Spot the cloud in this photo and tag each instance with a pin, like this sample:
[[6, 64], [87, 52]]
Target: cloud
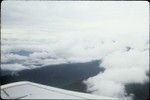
[[107, 88], [129, 59], [77, 17], [36, 34], [8, 58], [121, 68], [13, 67]]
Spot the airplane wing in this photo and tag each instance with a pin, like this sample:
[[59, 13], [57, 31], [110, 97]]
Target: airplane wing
[[30, 90]]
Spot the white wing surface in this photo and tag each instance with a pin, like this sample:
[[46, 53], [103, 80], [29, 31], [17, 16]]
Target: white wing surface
[[29, 90]]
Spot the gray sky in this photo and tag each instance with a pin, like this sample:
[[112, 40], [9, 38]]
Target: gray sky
[[66, 17]]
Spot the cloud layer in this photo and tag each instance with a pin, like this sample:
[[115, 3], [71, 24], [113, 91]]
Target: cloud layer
[[120, 68], [36, 34]]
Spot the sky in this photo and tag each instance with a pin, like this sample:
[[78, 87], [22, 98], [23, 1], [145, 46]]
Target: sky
[[69, 17], [39, 33]]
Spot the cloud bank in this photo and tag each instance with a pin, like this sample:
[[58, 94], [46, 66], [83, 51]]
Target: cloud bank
[[120, 68], [36, 34]]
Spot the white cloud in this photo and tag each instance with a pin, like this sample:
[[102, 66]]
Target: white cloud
[[12, 57], [126, 75], [70, 31], [121, 67], [121, 59], [13, 67]]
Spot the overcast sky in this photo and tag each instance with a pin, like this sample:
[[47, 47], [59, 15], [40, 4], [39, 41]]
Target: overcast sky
[[66, 17]]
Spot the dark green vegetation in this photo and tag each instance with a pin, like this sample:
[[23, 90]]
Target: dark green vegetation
[[140, 91], [67, 76]]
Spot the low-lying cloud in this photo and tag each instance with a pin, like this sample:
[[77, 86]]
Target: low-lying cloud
[[121, 67], [44, 33]]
